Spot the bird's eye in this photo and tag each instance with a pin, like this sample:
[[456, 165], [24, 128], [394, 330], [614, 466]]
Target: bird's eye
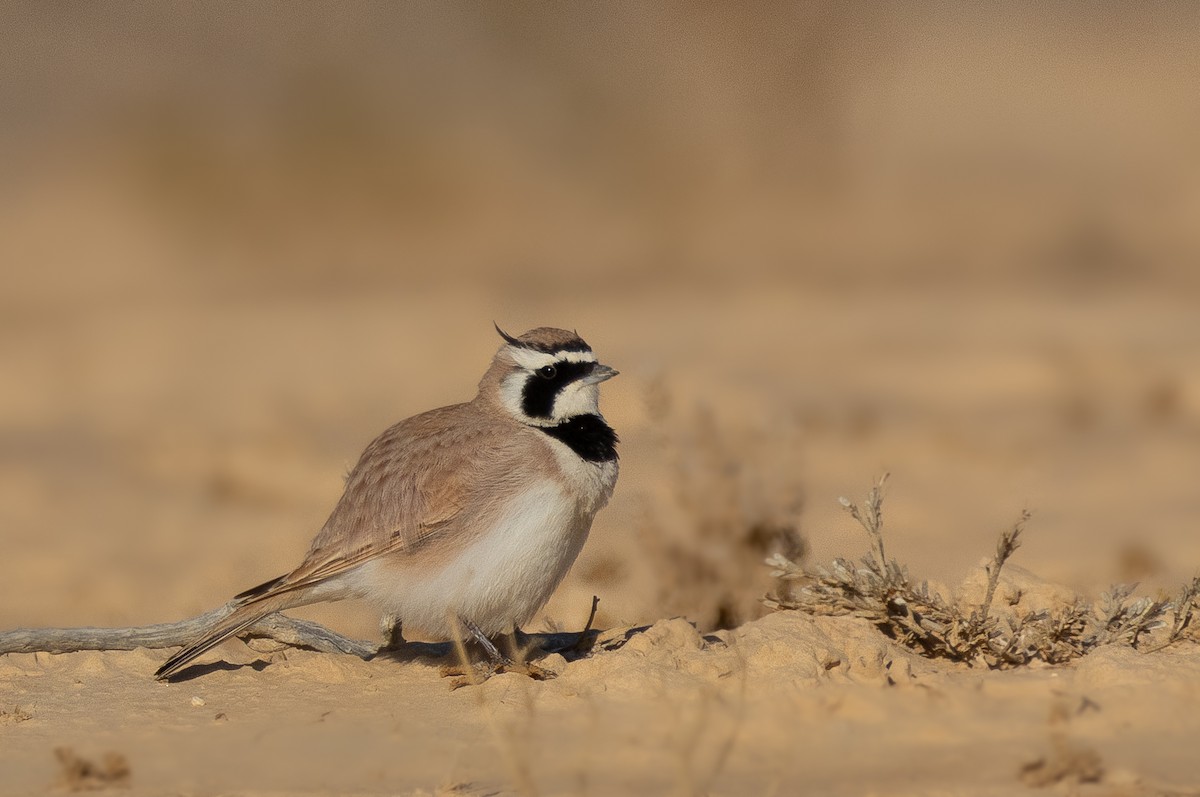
[[547, 372]]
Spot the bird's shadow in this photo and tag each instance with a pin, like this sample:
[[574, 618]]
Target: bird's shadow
[[572, 646], [195, 671], [524, 647]]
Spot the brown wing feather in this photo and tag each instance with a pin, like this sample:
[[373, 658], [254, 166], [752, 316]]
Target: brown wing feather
[[409, 487]]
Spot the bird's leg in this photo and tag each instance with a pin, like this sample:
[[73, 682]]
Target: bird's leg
[[495, 657], [521, 644], [497, 662]]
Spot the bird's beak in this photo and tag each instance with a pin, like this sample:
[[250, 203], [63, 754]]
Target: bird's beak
[[599, 374]]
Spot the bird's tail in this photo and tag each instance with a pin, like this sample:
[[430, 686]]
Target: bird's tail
[[242, 617]]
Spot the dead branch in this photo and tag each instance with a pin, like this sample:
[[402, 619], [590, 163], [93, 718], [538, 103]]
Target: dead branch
[[286, 630]]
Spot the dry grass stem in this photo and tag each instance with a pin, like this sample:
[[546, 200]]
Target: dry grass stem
[[512, 745], [1006, 546]]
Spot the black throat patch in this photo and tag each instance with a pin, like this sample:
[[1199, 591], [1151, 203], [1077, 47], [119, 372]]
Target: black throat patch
[[588, 436]]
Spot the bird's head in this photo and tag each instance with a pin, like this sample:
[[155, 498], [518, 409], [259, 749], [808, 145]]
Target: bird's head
[[546, 376]]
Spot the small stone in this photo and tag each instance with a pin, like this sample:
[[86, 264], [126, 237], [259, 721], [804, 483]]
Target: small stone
[[554, 663], [197, 701]]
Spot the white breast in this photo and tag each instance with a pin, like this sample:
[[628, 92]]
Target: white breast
[[503, 578]]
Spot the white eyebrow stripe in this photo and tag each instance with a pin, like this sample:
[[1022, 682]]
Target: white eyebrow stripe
[[534, 359], [575, 357]]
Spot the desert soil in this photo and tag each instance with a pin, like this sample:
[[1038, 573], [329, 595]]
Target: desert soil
[[132, 498], [821, 242]]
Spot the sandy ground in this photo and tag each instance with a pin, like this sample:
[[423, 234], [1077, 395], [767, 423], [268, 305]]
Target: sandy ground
[[131, 498], [821, 242], [785, 704]]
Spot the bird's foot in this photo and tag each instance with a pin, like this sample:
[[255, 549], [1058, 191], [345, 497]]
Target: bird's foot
[[476, 673], [468, 673]]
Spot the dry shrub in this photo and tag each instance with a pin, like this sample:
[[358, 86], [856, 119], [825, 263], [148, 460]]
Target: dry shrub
[[725, 512], [880, 590]]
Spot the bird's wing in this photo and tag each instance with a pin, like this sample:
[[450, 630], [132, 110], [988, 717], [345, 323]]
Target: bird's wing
[[407, 491]]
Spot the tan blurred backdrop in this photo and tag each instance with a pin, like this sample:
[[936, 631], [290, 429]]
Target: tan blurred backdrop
[[820, 241]]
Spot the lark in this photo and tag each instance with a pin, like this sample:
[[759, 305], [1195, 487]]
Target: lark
[[462, 521]]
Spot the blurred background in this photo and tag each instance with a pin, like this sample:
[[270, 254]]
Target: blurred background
[[954, 242]]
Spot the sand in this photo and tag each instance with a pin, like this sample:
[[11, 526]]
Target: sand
[[786, 704], [134, 515], [954, 243]]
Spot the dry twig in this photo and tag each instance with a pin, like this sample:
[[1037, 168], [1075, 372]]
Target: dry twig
[[286, 630]]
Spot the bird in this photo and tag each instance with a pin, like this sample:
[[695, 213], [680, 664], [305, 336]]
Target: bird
[[462, 521]]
